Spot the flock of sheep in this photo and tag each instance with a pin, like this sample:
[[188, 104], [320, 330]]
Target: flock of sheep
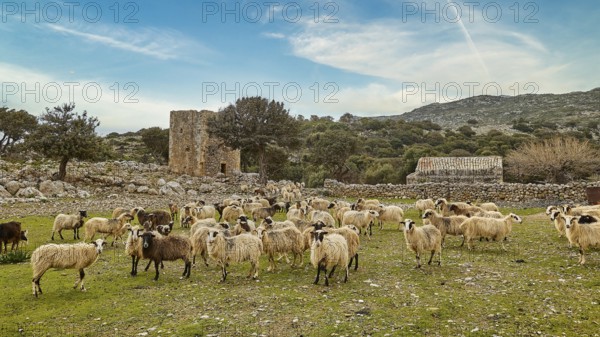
[[242, 230]]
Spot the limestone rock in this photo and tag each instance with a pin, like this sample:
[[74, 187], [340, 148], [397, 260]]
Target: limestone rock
[[29, 192], [52, 188], [131, 188], [13, 187]]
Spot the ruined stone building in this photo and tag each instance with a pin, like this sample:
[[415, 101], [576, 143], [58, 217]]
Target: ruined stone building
[[192, 151], [457, 170]]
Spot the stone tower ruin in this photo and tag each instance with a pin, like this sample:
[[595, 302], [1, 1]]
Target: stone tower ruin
[[192, 151]]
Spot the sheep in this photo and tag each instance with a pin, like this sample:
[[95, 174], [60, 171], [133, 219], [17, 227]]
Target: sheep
[[68, 221], [269, 223], [193, 221], [240, 248], [559, 223], [165, 229], [133, 248], [296, 213], [231, 201], [339, 214], [323, 216], [446, 225], [443, 206], [118, 211], [495, 229], [115, 227], [198, 240], [423, 239], [319, 204], [281, 241], [360, 219], [167, 248], [249, 206], [467, 211], [370, 204], [263, 212], [581, 210], [243, 225], [156, 218], [64, 256], [337, 204], [551, 208], [490, 207], [189, 209], [424, 204], [327, 252], [232, 213], [392, 214], [350, 233], [11, 232], [174, 209], [205, 212], [584, 236], [489, 214]]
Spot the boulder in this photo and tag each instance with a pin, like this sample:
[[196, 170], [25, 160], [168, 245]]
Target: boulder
[[152, 191], [206, 188], [52, 188], [29, 192], [161, 182], [4, 193], [172, 188], [192, 193], [131, 188], [142, 189], [83, 194], [13, 187]]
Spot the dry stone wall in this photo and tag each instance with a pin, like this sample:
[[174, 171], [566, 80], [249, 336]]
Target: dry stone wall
[[527, 194]]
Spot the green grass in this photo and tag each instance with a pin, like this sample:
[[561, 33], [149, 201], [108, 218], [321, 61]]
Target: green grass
[[477, 293]]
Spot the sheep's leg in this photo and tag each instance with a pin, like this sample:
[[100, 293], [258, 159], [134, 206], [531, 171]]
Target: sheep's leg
[[581, 256], [148, 265], [271, 263], [204, 258], [463, 241], [418, 261], [156, 268], [36, 284], [332, 270], [187, 269], [80, 280], [223, 272], [346, 276], [318, 273], [52, 238], [431, 257], [60, 233], [326, 277], [133, 266]]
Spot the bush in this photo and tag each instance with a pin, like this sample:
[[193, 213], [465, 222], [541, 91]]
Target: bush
[[16, 256]]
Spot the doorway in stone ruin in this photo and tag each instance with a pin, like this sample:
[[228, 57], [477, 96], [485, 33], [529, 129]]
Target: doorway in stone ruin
[[223, 168]]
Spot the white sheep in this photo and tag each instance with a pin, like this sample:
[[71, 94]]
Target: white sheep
[[327, 252], [593, 210], [319, 204], [423, 239], [369, 204], [232, 212], [490, 207], [559, 222], [205, 212], [239, 248], [584, 236], [361, 219], [446, 225], [350, 233], [68, 221], [424, 204], [323, 216], [269, 223], [282, 241], [393, 214], [64, 256], [115, 227], [495, 229], [443, 206], [133, 248]]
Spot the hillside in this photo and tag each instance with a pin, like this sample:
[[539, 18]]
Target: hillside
[[572, 109]]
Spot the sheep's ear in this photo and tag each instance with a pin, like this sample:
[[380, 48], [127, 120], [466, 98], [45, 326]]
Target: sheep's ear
[[103, 243]]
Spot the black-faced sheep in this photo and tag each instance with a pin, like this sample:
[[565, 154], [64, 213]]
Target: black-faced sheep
[[68, 221], [423, 239], [239, 248], [327, 252], [65, 256], [167, 248]]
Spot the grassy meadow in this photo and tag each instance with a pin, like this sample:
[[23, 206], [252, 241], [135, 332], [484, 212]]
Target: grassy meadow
[[534, 288]]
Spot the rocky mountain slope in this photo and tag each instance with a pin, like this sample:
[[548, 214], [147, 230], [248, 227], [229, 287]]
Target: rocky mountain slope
[[571, 109]]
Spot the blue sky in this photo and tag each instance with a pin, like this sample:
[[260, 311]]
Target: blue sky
[[130, 63]]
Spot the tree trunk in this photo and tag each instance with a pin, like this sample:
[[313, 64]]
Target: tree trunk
[[62, 168], [262, 168]]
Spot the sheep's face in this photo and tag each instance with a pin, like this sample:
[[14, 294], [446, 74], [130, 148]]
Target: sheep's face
[[353, 228], [566, 209], [569, 220], [212, 236], [318, 237], [516, 218], [439, 202], [550, 209], [331, 205], [99, 243], [374, 213], [408, 225], [24, 235], [554, 215], [427, 214], [83, 214], [147, 240], [260, 231]]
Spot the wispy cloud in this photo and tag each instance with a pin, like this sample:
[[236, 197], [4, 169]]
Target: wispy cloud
[[160, 44], [274, 35]]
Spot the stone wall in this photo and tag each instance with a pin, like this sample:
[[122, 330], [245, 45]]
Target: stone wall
[[486, 169], [530, 194], [193, 152]]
